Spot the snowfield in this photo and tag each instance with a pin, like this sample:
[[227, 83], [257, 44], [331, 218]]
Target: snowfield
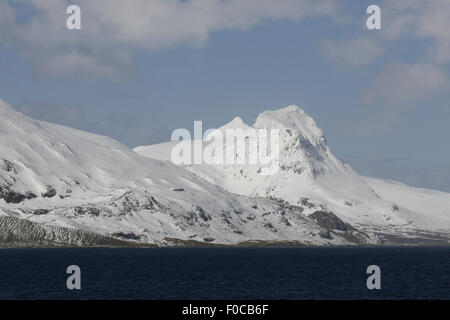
[[64, 187]]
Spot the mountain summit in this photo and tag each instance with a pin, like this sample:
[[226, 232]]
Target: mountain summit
[[291, 117]]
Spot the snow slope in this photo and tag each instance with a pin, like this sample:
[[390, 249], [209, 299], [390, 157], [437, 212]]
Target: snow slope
[[310, 172], [58, 177], [431, 207]]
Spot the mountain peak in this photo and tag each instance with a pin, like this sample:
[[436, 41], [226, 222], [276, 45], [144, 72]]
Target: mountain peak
[[237, 120], [291, 117], [291, 108], [236, 123]]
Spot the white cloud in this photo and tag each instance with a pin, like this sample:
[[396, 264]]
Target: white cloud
[[405, 85], [354, 52], [434, 23], [112, 30], [409, 19], [424, 19]]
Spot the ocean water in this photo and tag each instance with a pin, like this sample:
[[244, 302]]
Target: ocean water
[[226, 273]]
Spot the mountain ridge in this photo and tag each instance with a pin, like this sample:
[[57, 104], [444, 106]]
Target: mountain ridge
[[64, 179]]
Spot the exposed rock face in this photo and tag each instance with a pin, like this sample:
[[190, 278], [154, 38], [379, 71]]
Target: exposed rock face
[[15, 232], [333, 225], [202, 214], [7, 165], [330, 221], [40, 212], [127, 236], [50, 192], [11, 196]]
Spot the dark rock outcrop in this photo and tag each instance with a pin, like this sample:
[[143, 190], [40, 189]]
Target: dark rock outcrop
[[40, 212], [335, 226], [17, 233], [11, 196], [127, 236], [50, 192], [330, 221], [202, 214]]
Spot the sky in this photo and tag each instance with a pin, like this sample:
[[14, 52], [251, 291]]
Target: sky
[[138, 69]]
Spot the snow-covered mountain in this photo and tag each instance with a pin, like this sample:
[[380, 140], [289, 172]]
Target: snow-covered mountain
[[60, 186], [310, 174]]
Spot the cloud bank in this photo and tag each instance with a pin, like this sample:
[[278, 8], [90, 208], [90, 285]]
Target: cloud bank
[[113, 30]]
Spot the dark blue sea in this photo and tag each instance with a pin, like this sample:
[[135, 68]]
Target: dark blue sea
[[226, 273]]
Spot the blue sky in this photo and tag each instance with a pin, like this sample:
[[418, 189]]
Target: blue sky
[[135, 73]]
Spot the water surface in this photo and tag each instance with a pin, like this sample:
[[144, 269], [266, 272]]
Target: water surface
[[226, 273]]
